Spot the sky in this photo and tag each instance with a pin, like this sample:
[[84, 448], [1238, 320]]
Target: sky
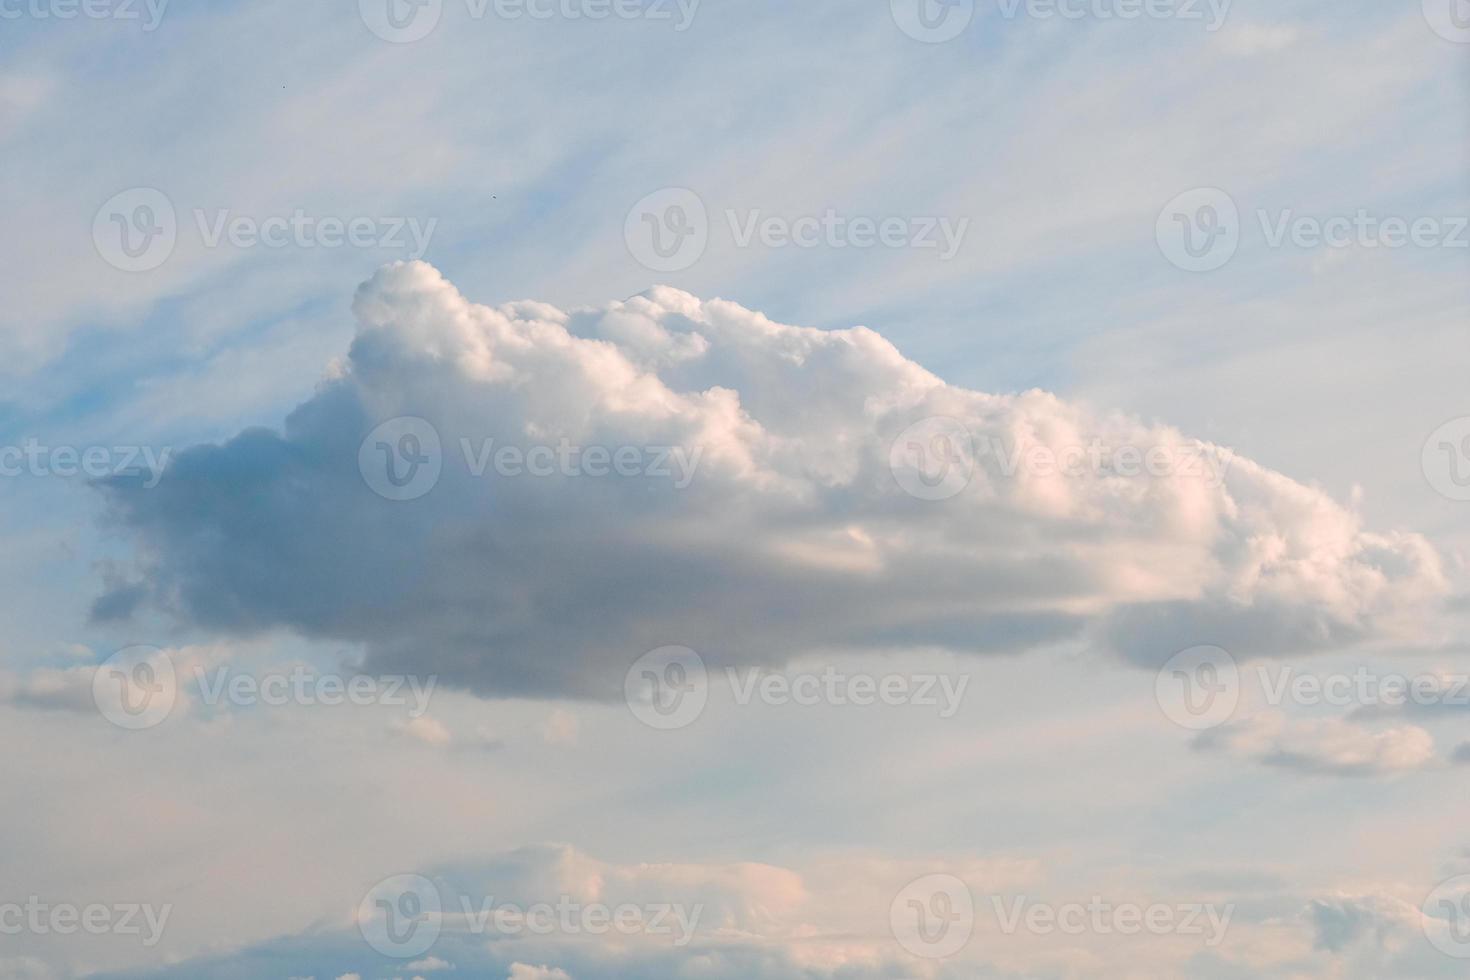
[[682, 490]]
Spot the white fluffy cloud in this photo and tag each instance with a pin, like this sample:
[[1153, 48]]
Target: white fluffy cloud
[[793, 533], [1333, 746], [521, 971]]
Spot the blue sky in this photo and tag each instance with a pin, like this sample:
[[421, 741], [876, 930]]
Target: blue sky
[[1031, 167]]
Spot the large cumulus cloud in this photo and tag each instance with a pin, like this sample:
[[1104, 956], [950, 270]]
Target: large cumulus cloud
[[793, 536]]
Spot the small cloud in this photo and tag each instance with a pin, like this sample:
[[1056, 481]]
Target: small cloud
[[430, 964], [50, 689], [522, 971], [428, 730], [1342, 921], [1331, 747], [1255, 39], [560, 728]]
